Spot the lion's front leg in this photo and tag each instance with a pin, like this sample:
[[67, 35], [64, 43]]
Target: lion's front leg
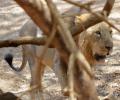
[[60, 71]]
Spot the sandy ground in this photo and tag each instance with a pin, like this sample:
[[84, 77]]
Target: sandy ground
[[107, 77]]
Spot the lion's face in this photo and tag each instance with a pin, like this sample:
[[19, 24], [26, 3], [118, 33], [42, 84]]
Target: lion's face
[[101, 42]]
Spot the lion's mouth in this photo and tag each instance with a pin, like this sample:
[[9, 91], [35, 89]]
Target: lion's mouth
[[99, 57]]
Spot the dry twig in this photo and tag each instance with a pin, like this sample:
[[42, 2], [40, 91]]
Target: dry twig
[[99, 15], [45, 26], [71, 76], [23, 41]]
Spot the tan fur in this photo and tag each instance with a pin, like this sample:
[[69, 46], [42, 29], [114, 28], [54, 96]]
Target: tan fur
[[90, 42]]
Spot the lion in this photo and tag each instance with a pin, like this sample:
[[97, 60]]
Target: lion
[[95, 43]]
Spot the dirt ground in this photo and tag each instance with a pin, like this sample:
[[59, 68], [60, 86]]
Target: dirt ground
[[107, 76]]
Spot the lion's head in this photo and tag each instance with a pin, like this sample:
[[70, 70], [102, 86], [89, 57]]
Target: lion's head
[[96, 43]]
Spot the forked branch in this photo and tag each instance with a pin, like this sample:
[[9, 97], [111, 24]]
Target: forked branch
[[86, 19]]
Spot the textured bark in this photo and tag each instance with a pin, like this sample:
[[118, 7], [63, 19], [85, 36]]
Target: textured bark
[[23, 41]]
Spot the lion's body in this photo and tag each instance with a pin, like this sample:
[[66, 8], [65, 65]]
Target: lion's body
[[91, 44], [30, 29]]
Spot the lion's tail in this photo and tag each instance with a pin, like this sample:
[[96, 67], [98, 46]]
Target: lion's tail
[[9, 59]]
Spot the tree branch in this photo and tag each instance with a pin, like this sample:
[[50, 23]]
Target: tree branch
[[40, 20], [90, 18], [36, 15], [23, 41], [86, 19]]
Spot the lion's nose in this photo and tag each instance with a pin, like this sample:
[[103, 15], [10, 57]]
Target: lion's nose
[[108, 47]]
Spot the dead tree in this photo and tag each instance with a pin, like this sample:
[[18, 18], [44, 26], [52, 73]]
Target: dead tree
[[63, 41]]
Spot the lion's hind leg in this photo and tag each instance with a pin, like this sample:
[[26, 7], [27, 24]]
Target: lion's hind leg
[[37, 71]]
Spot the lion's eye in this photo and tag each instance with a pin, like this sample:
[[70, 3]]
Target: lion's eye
[[98, 33]]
